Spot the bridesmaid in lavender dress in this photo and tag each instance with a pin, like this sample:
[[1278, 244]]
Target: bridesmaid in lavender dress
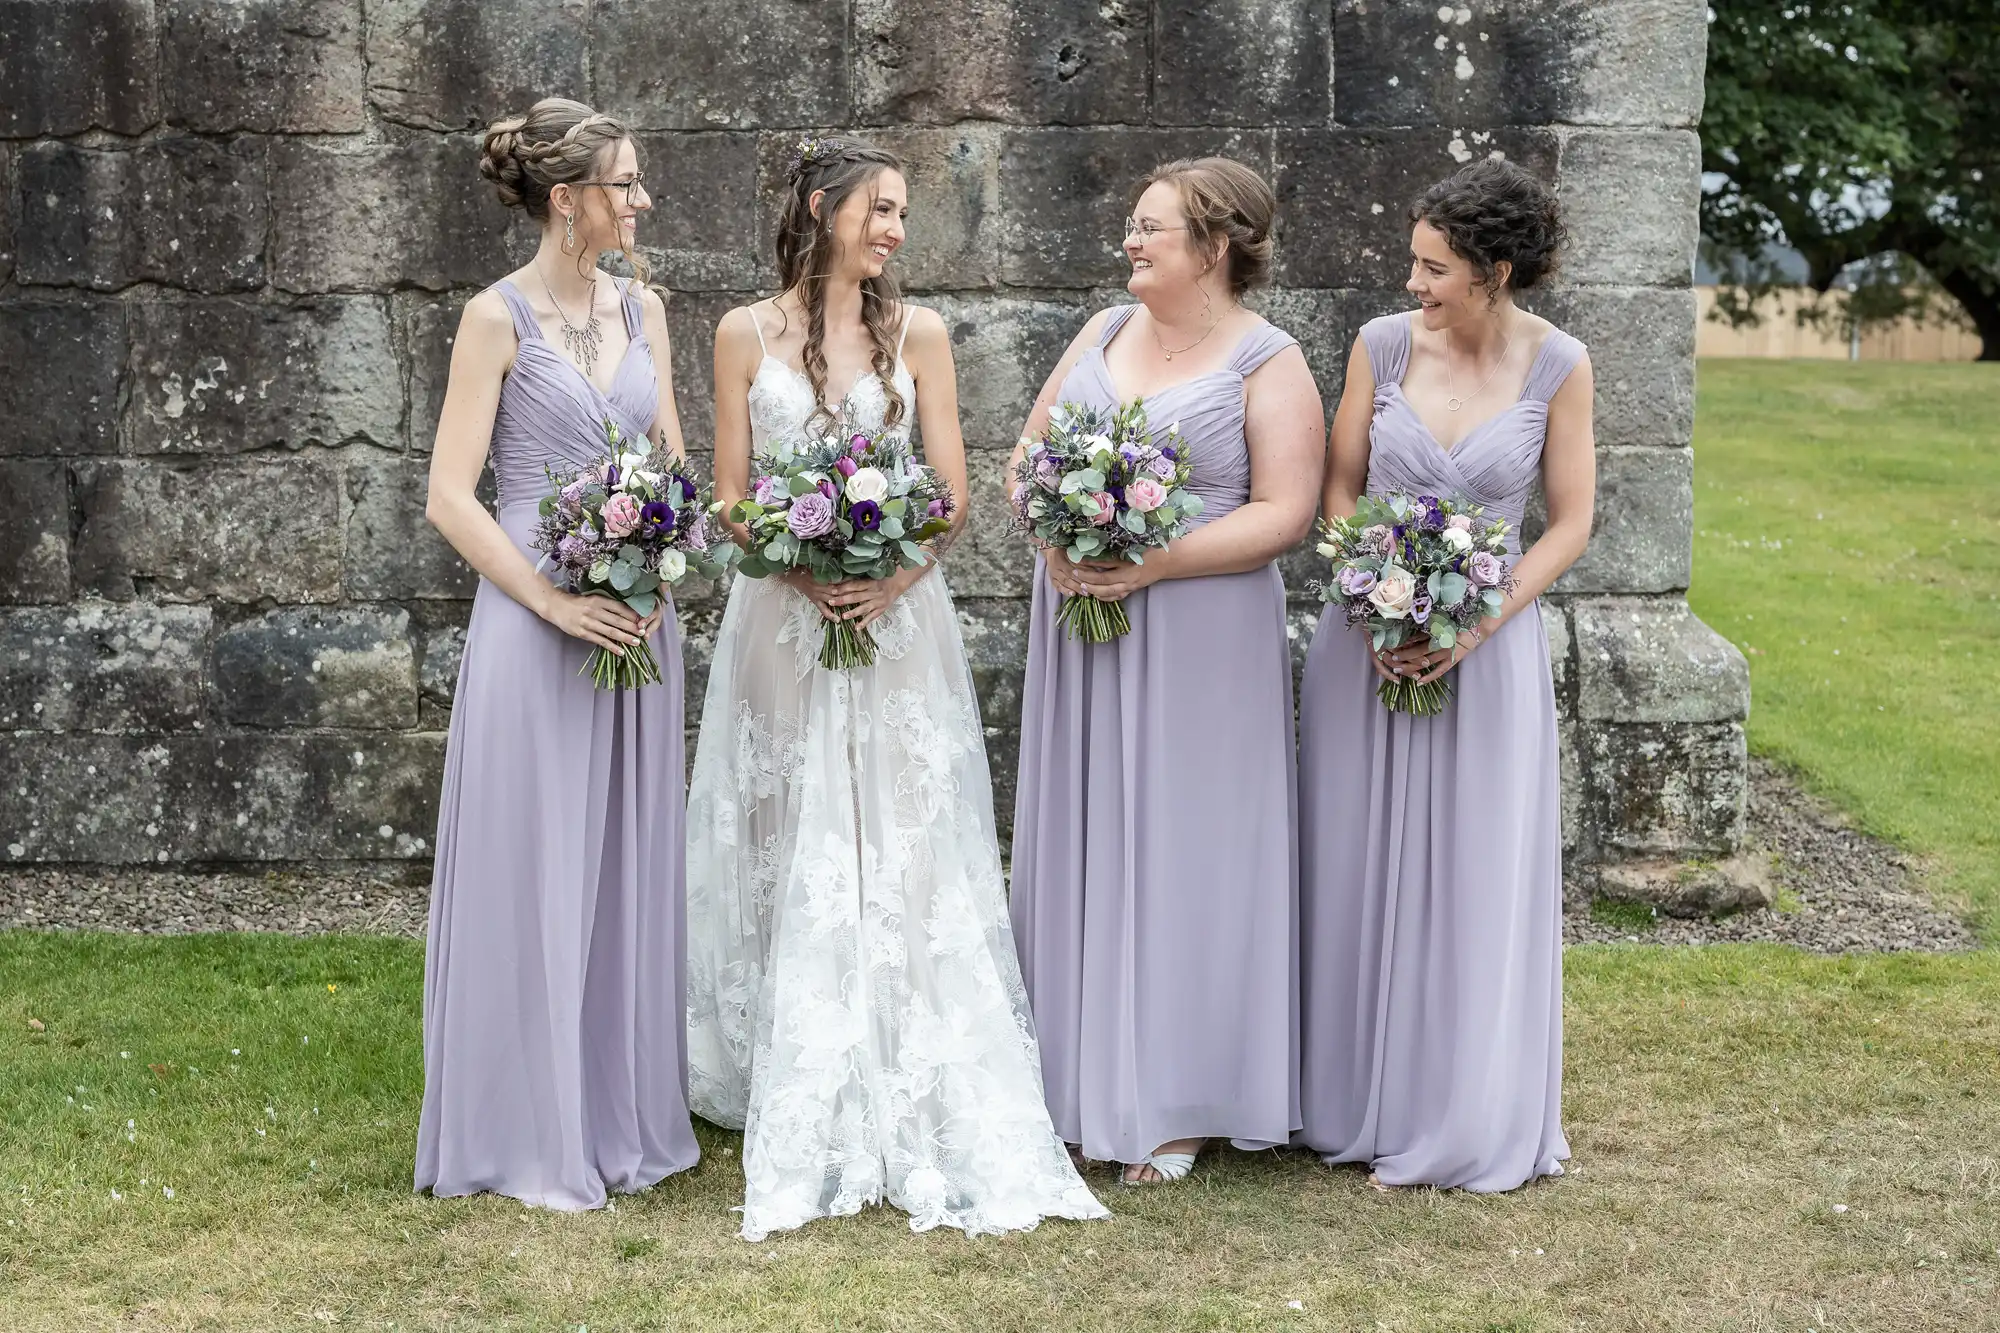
[[554, 1063], [1431, 848], [1155, 874]]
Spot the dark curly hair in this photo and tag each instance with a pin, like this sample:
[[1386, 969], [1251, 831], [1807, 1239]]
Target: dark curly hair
[[1492, 211]]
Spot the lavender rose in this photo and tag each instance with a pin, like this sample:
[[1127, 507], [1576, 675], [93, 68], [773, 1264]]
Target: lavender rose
[[811, 515], [572, 551], [1163, 468], [1484, 569]]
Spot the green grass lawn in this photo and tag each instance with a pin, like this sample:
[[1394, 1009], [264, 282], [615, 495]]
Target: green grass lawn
[[1847, 538], [1767, 1141]]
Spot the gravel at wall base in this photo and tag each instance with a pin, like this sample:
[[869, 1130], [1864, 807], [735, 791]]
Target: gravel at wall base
[[1842, 891]]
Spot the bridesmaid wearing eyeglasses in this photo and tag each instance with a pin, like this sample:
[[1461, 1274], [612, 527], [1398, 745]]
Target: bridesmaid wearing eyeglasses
[[1155, 877]]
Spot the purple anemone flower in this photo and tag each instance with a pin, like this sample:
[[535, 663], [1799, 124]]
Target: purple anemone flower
[[656, 517], [611, 474], [866, 516]]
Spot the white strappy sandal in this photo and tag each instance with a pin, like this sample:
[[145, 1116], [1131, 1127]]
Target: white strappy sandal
[[1172, 1166]]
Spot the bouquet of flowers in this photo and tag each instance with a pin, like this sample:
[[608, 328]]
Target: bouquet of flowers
[[850, 504], [622, 528], [1097, 487], [1408, 568]]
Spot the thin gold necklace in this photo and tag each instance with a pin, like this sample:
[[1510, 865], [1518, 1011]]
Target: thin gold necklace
[[1171, 352], [1452, 401]]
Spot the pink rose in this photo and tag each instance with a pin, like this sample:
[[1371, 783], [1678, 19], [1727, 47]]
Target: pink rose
[[1459, 521], [1107, 508], [1145, 495], [621, 515]]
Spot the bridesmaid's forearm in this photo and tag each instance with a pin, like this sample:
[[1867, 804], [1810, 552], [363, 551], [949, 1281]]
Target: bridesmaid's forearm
[[1244, 539], [478, 537], [1542, 564]]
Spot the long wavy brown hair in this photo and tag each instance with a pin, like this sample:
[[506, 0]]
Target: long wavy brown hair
[[808, 253]]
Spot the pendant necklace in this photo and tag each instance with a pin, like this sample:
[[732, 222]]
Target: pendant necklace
[[580, 343], [1452, 401], [1172, 352]]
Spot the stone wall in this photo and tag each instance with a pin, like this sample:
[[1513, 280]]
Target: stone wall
[[235, 236]]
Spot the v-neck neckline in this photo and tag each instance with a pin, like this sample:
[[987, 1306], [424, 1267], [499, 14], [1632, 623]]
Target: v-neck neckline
[[632, 340], [1118, 394], [1520, 399], [840, 403], [603, 394]]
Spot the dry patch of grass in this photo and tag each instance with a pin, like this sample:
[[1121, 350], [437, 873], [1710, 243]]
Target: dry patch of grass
[[1765, 1140]]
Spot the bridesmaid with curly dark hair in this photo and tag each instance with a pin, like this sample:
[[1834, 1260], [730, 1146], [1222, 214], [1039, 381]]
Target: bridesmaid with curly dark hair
[[1431, 847]]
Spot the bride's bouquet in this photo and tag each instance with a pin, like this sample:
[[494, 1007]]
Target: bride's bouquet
[[1097, 487], [849, 504], [623, 528], [1407, 568]]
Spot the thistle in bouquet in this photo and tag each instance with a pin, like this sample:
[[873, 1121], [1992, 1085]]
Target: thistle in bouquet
[[846, 504], [1097, 486], [625, 527], [1415, 567]]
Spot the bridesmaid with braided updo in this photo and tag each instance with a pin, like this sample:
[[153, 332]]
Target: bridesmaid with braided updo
[[554, 1060]]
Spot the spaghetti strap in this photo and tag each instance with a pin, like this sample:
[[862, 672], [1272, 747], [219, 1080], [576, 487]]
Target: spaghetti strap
[[1553, 363], [1119, 314], [1258, 346], [909, 317], [758, 325], [1387, 339], [525, 324]]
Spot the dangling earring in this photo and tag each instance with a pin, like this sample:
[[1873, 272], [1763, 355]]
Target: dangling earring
[[569, 232]]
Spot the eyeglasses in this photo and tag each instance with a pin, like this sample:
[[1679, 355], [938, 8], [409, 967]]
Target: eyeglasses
[[1145, 231], [637, 183]]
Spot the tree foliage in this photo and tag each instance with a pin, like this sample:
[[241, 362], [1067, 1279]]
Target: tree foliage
[[1864, 133]]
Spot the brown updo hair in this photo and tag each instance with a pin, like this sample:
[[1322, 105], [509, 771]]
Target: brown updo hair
[[1220, 197], [559, 142], [1492, 211]]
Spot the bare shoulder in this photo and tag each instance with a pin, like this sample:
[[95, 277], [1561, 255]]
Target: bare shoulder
[[486, 316], [926, 330], [738, 330], [652, 305]]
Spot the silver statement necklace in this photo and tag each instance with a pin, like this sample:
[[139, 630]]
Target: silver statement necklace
[[1452, 401], [580, 343]]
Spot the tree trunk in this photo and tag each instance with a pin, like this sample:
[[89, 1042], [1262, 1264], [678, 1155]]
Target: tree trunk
[[1979, 295]]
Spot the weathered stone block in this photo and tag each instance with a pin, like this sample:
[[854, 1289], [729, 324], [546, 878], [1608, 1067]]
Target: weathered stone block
[[1342, 195], [952, 240], [427, 325], [1519, 62], [1630, 199], [703, 233], [1562, 651], [64, 360], [392, 550], [1326, 324], [1641, 526], [96, 666], [231, 375], [138, 799], [1692, 888], [443, 653], [9, 175], [1004, 349], [386, 215], [1653, 661], [1242, 62], [1575, 782], [996, 649], [1665, 790], [34, 541], [231, 532], [1056, 62], [722, 64], [107, 218], [306, 667], [270, 66], [77, 65], [691, 321], [989, 559], [1642, 356], [1065, 191], [461, 64]]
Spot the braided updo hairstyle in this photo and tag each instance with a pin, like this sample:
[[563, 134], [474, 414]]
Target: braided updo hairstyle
[[1492, 211], [807, 251], [559, 142]]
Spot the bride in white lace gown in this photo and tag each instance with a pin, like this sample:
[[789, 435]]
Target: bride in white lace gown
[[855, 1003]]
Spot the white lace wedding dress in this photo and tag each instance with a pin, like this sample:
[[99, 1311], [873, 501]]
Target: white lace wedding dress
[[855, 1003]]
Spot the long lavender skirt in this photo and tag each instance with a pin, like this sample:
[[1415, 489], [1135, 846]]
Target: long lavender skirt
[[554, 1051], [1155, 872], [1431, 918]]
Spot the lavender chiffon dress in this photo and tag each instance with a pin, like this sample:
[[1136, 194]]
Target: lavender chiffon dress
[[1431, 854], [1155, 873], [554, 1056]]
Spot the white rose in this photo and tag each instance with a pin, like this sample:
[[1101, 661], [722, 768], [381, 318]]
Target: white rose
[[1394, 592], [673, 564], [868, 483], [1458, 539]]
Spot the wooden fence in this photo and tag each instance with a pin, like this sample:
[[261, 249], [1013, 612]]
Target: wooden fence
[[1779, 334]]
